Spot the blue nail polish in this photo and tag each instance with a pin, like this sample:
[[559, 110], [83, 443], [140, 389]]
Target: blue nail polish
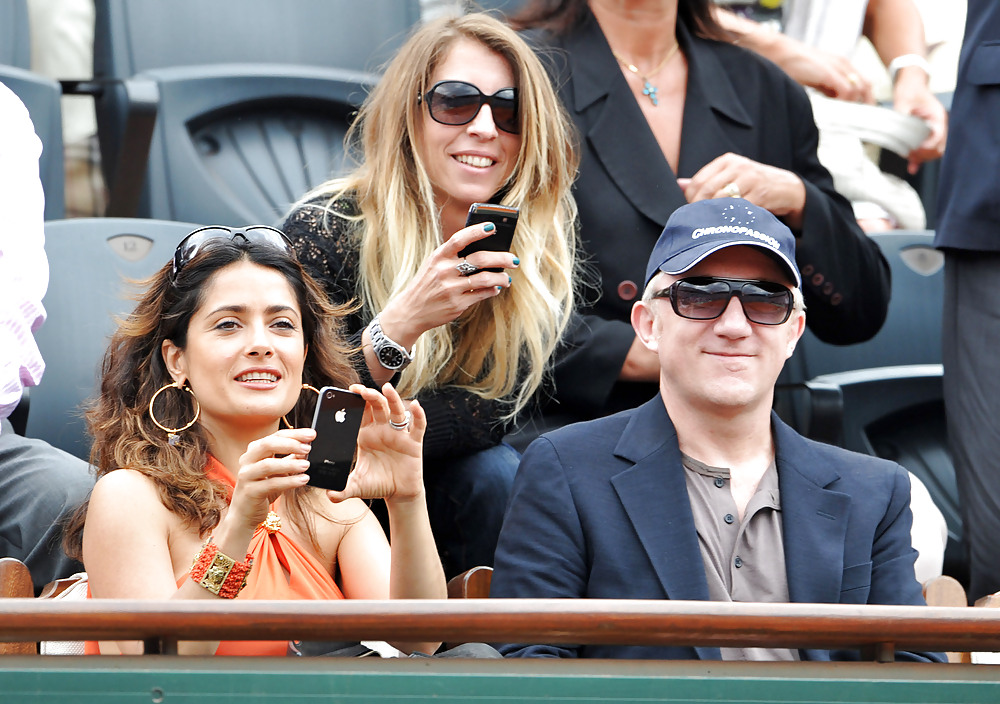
[[499, 289], [516, 261], [509, 280], [489, 227]]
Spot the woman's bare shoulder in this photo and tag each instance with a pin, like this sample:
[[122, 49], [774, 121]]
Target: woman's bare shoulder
[[125, 480], [128, 491]]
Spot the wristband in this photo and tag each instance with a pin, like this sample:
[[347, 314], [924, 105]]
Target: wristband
[[219, 573], [905, 60]]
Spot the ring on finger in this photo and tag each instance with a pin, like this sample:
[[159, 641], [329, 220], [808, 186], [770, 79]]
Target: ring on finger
[[854, 79], [401, 425], [466, 269], [732, 190]]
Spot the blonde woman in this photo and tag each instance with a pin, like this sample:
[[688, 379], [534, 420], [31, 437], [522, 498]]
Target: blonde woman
[[464, 113]]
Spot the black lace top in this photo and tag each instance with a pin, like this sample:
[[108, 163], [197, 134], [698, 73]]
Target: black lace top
[[458, 423]]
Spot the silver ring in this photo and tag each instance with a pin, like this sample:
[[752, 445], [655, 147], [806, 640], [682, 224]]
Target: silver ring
[[401, 425], [466, 269], [732, 190]]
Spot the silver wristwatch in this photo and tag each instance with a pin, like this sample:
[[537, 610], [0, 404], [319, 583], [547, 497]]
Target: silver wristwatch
[[390, 354]]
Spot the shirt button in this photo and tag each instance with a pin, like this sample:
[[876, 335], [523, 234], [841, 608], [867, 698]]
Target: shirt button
[[720, 482], [738, 562], [627, 290], [729, 519]]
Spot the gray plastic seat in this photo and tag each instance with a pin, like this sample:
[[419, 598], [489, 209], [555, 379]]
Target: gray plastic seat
[[90, 260], [15, 39], [222, 111], [240, 143], [884, 397], [132, 36], [41, 96]]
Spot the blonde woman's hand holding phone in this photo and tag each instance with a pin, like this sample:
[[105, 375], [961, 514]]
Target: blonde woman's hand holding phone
[[467, 268]]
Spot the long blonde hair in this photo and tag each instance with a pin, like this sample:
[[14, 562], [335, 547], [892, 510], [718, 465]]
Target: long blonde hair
[[500, 348]]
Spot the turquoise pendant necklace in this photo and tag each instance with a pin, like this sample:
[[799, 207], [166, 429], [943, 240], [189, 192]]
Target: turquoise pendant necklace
[[648, 89]]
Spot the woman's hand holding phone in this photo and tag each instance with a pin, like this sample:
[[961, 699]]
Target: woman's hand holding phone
[[270, 466], [439, 293], [389, 462]]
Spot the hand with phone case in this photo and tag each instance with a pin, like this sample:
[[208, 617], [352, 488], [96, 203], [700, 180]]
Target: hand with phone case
[[504, 220], [336, 420], [271, 465], [389, 461], [441, 291]]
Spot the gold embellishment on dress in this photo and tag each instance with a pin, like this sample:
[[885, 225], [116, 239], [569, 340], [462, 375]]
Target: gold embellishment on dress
[[272, 524]]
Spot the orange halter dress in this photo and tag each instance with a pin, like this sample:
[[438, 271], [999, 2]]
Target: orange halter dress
[[281, 570]]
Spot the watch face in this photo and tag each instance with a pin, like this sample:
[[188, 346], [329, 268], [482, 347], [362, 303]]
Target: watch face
[[390, 358]]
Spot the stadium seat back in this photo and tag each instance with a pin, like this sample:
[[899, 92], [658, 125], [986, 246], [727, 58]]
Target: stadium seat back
[[90, 263], [15, 38], [41, 96]]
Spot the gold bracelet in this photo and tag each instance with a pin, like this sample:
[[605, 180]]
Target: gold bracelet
[[219, 573]]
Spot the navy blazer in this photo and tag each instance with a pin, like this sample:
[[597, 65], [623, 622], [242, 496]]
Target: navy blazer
[[626, 191], [601, 510], [968, 201]]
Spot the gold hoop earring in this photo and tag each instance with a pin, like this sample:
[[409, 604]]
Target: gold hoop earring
[[174, 433], [304, 386]]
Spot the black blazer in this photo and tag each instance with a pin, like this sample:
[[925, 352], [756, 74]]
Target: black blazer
[[601, 510], [626, 191], [969, 187]]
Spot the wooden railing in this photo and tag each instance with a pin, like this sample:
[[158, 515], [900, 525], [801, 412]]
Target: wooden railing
[[875, 630]]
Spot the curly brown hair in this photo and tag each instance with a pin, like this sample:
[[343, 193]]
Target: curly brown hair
[[133, 370]]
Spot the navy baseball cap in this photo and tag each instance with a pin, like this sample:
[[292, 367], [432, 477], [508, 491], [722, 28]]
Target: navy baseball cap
[[696, 230]]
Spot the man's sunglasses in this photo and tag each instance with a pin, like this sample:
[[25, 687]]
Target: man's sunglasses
[[458, 103], [706, 298], [257, 234]]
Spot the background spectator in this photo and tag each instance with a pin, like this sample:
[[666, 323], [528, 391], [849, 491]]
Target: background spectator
[[969, 233], [818, 40], [38, 483]]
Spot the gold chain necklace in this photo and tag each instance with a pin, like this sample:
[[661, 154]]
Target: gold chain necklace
[[648, 89]]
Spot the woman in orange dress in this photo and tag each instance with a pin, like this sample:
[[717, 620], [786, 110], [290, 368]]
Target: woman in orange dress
[[201, 439]]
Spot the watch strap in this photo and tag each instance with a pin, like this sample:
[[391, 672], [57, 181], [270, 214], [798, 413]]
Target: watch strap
[[381, 343]]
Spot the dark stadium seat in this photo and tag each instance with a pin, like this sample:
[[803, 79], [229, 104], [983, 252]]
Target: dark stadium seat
[[237, 143], [884, 397], [228, 111], [90, 260], [41, 96], [15, 41]]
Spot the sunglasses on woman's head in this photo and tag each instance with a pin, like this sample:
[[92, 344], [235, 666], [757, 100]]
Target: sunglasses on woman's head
[[458, 103], [257, 234], [707, 297]]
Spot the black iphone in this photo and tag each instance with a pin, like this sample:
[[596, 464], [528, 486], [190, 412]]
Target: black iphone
[[505, 219], [337, 420]]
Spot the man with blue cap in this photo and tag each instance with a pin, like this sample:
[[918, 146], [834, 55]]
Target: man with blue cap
[[703, 493]]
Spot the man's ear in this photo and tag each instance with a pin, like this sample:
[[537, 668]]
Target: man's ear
[[173, 359], [644, 323], [796, 327]]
